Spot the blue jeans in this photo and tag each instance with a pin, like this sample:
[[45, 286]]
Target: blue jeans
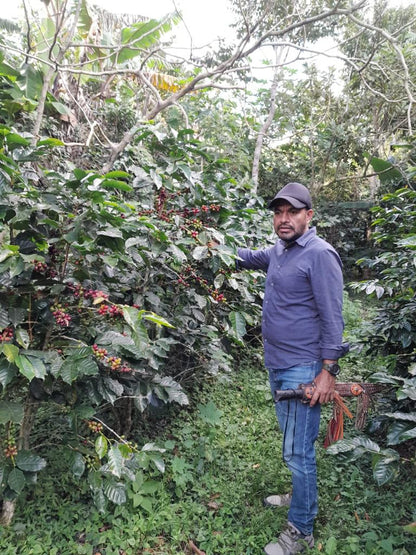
[[299, 424]]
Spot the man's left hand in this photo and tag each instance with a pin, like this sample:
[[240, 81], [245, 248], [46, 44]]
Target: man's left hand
[[325, 388]]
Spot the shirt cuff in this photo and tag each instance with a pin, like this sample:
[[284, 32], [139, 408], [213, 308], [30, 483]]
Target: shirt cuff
[[334, 352]]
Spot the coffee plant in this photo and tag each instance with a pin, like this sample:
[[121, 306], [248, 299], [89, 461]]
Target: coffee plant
[[117, 292], [392, 334]]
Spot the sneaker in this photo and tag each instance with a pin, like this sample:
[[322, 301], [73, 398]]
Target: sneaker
[[282, 500], [290, 541]]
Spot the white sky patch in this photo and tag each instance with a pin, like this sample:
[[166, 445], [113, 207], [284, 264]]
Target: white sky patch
[[203, 21]]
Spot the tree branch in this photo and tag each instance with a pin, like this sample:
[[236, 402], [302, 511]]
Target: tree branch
[[393, 41]]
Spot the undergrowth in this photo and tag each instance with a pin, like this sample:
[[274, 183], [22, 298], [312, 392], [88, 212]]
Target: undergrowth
[[222, 457]]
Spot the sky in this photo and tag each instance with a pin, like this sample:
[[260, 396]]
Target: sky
[[206, 20]]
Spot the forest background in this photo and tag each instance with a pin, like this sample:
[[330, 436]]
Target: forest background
[[129, 175]]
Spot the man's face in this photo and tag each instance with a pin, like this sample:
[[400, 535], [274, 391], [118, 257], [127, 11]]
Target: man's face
[[290, 222]]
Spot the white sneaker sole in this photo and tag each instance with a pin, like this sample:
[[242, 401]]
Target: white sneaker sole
[[282, 500]]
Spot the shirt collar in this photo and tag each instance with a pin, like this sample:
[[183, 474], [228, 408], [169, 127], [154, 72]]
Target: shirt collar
[[304, 239]]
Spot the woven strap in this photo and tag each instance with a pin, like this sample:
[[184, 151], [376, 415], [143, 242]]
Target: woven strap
[[354, 389]]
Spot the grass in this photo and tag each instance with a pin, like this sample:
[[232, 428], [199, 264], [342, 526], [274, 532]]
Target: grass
[[223, 456]]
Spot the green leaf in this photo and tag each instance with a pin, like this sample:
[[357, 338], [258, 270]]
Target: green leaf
[[31, 366], [409, 434], [199, 253], [228, 259], [16, 480], [51, 141], [153, 447], [4, 318], [331, 546], [115, 184], [137, 499], [410, 416], [177, 253], [22, 337], [95, 479], [111, 232], [345, 445], [114, 338], [157, 319], [11, 352], [7, 372], [116, 493], [210, 413], [76, 366], [399, 431], [29, 462], [410, 528], [78, 465], [115, 461], [173, 389], [11, 412], [14, 140], [158, 462], [238, 324], [146, 504], [140, 35], [407, 391], [101, 446], [385, 466], [99, 500], [150, 486], [38, 366], [387, 172], [407, 241], [132, 316], [118, 173], [26, 367]]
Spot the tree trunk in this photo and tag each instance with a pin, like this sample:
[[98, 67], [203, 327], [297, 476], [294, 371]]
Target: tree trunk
[[8, 506], [50, 72], [265, 127], [7, 512]]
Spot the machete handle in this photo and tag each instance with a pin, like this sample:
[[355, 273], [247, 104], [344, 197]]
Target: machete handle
[[304, 392]]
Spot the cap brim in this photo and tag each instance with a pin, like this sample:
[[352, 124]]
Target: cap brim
[[293, 201]]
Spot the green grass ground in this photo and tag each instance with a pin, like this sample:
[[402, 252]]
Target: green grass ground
[[223, 456]]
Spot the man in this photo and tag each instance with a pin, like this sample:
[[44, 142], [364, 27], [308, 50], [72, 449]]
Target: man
[[302, 333]]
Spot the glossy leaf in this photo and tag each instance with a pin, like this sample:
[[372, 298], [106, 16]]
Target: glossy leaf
[[29, 462], [16, 480], [238, 324], [7, 372], [101, 446], [385, 466], [78, 465], [116, 492], [117, 184], [11, 352], [11, 412], [115, 461]]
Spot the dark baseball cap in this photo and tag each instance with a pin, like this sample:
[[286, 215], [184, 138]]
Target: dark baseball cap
[[295, 193]]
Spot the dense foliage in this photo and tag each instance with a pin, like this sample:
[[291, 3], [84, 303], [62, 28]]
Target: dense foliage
[[222, 458], [115, 288], [392, 333], [124, 194]]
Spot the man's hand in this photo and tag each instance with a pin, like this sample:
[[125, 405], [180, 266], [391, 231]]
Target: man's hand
[[325, 388]]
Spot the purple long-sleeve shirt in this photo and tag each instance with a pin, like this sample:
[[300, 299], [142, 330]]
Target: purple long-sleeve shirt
[[302, 307]]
